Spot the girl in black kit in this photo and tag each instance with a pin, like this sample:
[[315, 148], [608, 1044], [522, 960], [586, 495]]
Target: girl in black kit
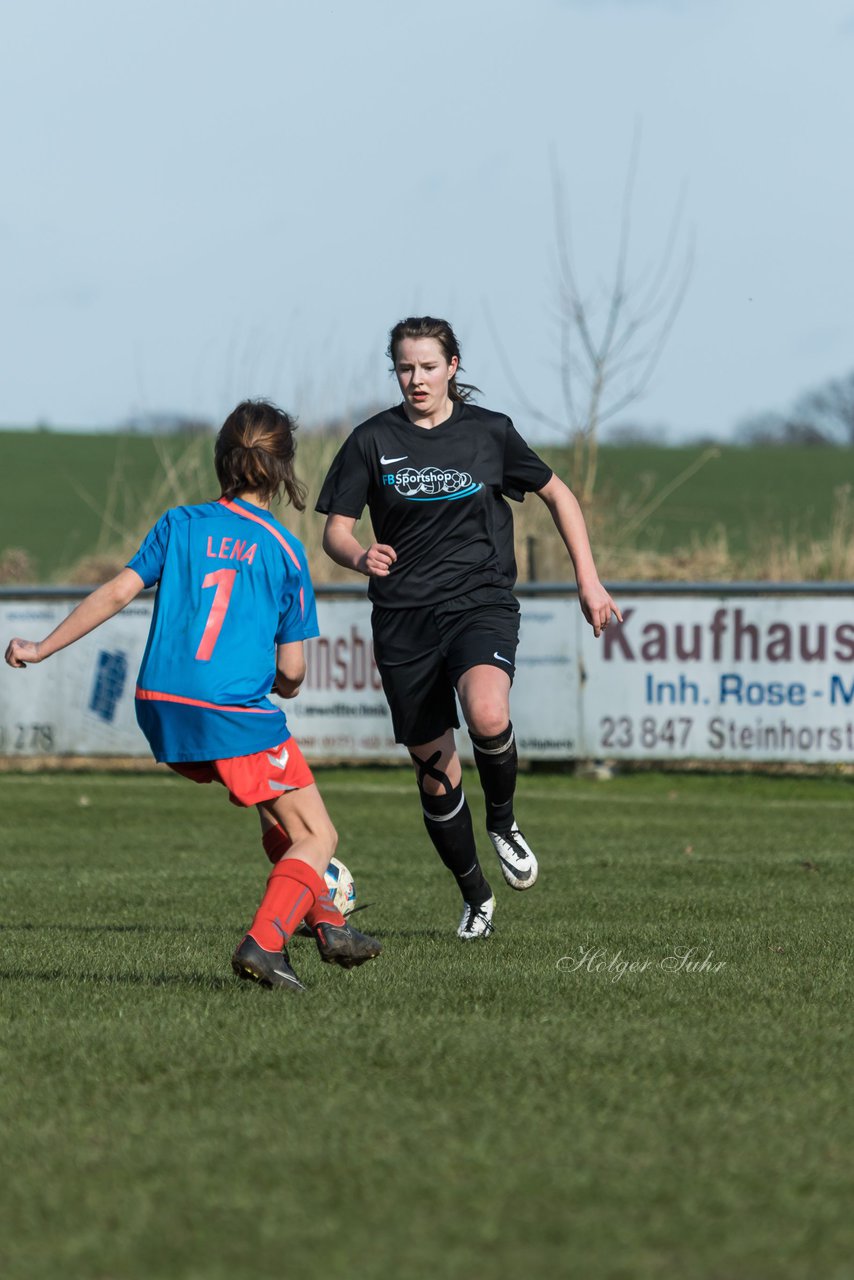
[[435, 472]]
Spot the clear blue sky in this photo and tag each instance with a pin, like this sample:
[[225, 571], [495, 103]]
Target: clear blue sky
[[205, 200]]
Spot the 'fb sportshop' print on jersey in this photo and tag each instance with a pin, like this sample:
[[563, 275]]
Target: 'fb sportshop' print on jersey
[[432, 484]]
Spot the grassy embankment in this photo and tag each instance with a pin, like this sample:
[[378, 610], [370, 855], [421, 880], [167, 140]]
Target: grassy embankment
[[76, 505]]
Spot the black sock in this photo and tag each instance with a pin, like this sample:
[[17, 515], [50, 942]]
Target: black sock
[[448, 822], [497, 764]]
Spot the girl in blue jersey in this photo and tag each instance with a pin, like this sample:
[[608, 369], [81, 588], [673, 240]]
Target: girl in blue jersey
[[233, 607]]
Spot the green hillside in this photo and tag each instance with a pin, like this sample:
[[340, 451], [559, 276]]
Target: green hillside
[[68, 496], [750, 491]]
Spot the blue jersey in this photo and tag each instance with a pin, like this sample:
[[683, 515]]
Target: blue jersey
[[233, 583]]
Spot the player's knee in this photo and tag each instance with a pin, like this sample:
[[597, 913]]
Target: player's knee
[[433, 786], [430, 771], [486, 719]]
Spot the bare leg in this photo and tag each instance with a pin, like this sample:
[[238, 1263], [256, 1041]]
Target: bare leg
[[303, 815], [447, 764], [484, 693]]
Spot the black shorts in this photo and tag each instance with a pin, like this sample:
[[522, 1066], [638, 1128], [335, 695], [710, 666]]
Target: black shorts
[[421, 654]]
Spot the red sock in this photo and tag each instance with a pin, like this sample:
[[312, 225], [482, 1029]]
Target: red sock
[[292, 888], [324, 911], [276, 842]]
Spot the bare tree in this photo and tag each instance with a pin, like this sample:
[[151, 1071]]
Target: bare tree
[[773, 429], [611, 338], [821, 416], [829, 410]]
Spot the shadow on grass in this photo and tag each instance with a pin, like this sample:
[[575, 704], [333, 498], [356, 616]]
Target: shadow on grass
[[28, 927], [91, 977], [420, 935]]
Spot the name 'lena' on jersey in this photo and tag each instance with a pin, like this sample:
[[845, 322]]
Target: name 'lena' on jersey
[[231, 549]]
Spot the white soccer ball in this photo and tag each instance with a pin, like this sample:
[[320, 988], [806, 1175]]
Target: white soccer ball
[[341, 888]]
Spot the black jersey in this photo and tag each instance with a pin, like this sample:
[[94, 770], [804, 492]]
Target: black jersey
[[437, 496]]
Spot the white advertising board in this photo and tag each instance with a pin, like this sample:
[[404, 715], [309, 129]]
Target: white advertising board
[[764, 678], [79, 702], [727, 678], [341, 712]]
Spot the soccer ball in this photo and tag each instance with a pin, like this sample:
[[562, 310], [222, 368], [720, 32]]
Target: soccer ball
[[341, 888]]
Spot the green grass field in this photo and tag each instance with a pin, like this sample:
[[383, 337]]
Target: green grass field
[[448, 1110], [73, 495]]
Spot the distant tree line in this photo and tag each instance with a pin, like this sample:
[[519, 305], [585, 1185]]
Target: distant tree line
[[821, 417]]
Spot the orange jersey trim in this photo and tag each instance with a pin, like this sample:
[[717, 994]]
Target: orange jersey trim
[[250, 515], [152, 695]]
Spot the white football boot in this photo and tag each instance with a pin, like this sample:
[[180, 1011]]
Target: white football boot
[[476, 921], [518, 864]]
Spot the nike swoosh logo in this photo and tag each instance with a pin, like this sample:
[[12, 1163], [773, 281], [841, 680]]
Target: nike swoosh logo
[[520, 875], [500, 659], [388, 461]]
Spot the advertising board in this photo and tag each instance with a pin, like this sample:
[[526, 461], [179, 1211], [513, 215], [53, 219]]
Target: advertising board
[[703, 675], [727, 678]]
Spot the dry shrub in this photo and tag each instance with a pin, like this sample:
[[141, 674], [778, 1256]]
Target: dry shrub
[[91, 571], [829, 559], [770, 556], [315, 455], [184, 477], [17, 567], [703, 560], [187, 477]]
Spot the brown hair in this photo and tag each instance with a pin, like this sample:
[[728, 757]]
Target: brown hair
[[431, 327], [254, 453]]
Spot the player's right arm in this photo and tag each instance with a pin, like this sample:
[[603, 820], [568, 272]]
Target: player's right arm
[[341, 545], [103, 603], [290, 668]]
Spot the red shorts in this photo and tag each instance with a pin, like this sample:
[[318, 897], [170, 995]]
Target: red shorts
[[253, 779]]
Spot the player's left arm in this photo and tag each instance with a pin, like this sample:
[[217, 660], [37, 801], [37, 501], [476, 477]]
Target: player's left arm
[[290, 668], [596, 604], [103, 603]]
